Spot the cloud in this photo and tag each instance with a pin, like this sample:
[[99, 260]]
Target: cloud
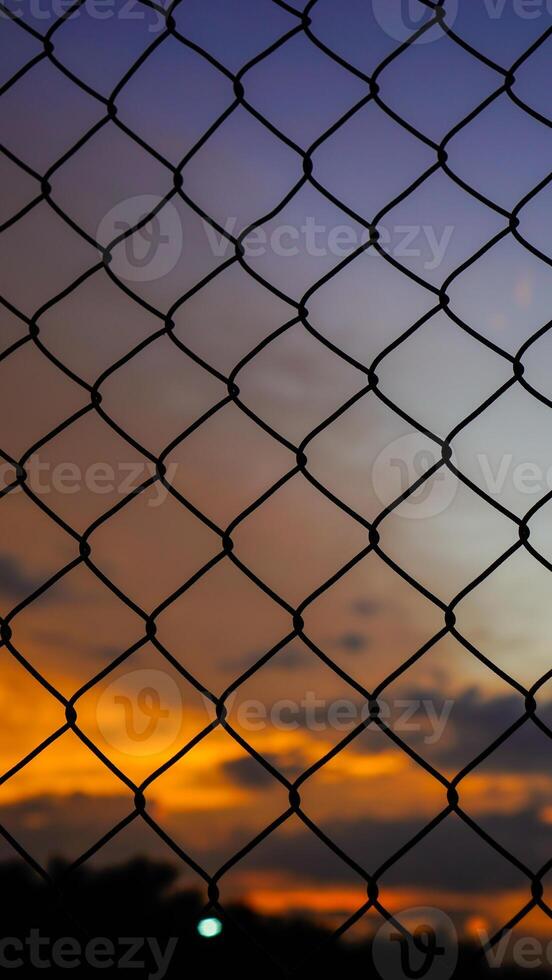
[[451, 732], [65, 641], [366, 607], [451, 858], [63, 826], [289, 658], [475, 724], [249, 772], [15, 581], [353, 642]]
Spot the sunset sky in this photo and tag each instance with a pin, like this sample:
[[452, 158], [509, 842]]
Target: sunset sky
[[371, 798]]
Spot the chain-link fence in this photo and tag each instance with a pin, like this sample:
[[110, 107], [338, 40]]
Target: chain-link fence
[[164, 327]]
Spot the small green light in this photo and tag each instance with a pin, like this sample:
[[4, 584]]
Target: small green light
[[209, 928]]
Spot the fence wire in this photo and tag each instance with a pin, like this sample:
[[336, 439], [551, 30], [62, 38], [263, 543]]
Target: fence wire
[[506, 79]]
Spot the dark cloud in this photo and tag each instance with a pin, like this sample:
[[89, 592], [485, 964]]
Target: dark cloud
[[353, 642], [451, 732], [451, 852], [447, 732], [476, 722], [67, 642], [249, 772], [15, 581], [51, 826], [366, 607], [289, 658]]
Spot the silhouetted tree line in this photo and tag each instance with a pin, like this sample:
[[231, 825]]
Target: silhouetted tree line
[[141, 900]]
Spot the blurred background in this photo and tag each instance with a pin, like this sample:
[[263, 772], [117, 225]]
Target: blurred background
[[303, 250]]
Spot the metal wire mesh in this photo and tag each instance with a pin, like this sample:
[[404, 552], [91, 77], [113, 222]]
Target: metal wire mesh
[[84, 555]]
